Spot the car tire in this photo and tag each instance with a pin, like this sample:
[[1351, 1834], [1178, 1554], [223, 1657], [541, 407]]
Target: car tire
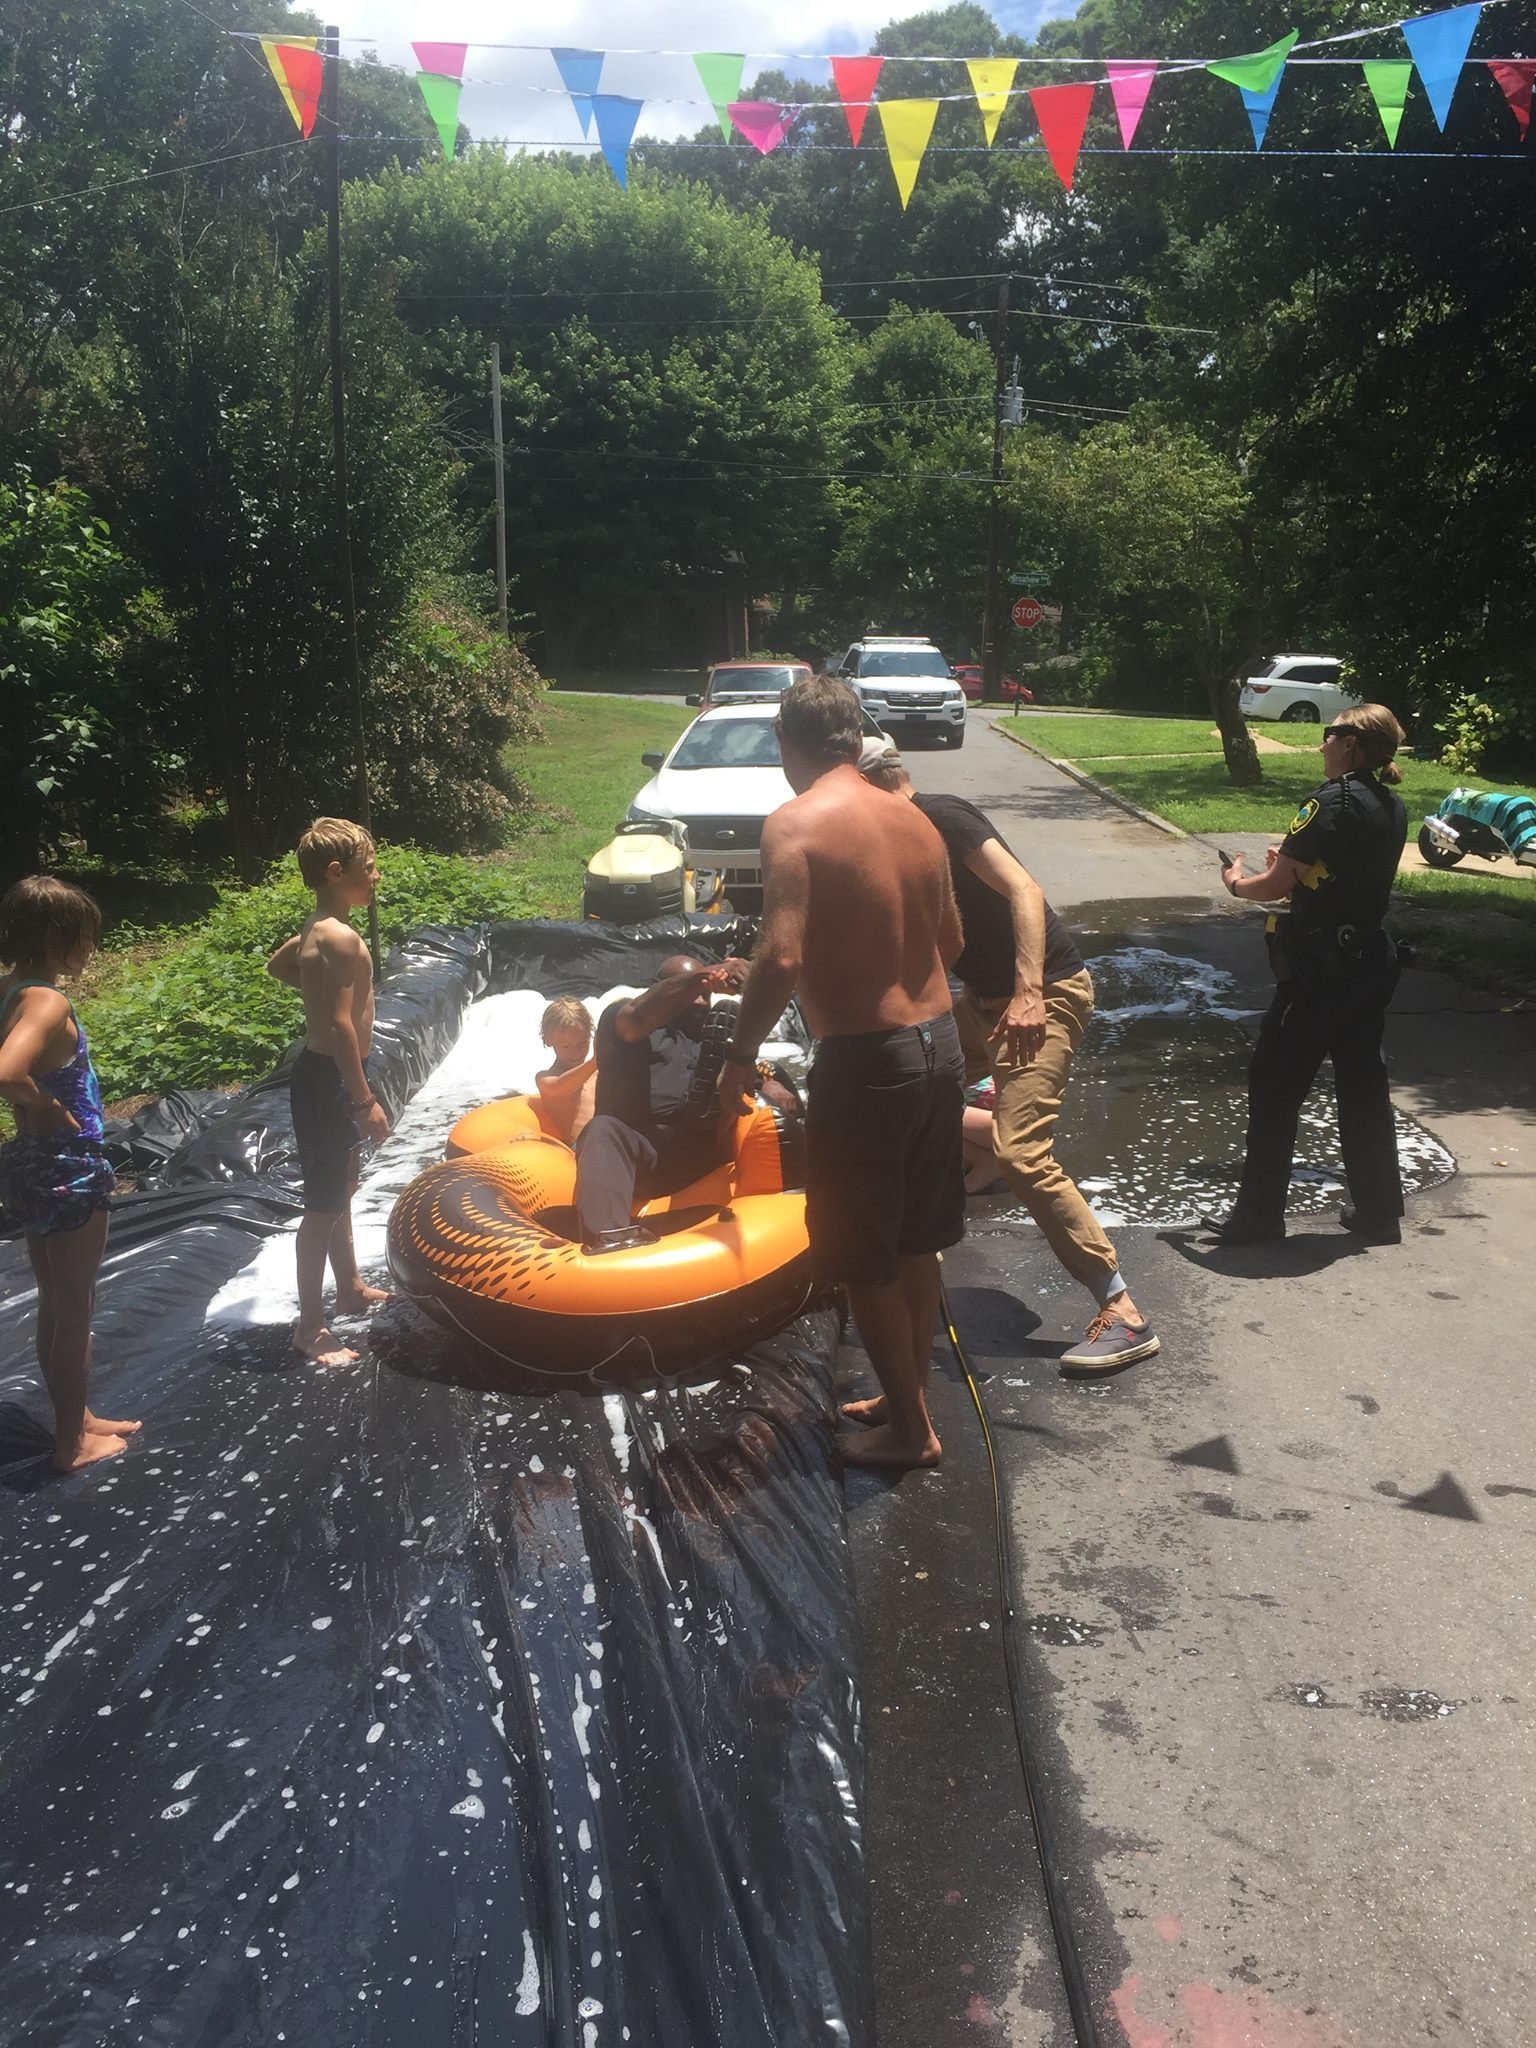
[[1300, 714], [1436, 854], [956, 738]]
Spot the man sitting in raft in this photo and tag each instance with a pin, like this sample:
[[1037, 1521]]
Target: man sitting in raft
[[643, 1139]]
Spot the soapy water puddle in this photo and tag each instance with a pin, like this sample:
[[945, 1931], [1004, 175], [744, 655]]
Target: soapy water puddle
[[1156, 1114], [1397, 1703], [1062, 1632]]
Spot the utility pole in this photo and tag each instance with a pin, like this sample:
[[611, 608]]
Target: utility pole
[[992, 623], [330, 114], [501, 491]]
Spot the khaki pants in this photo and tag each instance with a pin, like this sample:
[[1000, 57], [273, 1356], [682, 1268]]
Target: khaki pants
[[1025, 1118]]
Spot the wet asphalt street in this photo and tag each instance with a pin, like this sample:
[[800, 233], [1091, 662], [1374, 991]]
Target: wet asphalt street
[[1273, 1585]]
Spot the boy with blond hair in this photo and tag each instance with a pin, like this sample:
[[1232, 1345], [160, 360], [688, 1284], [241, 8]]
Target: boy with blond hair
[[568, 1087], [335, 1112]]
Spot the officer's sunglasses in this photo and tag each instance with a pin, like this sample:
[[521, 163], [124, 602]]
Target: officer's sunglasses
[[1339, 732]]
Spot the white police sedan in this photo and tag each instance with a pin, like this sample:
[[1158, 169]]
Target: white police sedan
[[722, 779]]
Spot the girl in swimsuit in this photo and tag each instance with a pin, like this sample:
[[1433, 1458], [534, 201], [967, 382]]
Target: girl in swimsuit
[[56, 1179]]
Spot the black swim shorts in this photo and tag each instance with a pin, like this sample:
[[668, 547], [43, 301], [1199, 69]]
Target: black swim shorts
[[884, 1174], [324, 1130]]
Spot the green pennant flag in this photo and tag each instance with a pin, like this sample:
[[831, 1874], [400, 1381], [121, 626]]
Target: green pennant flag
[[1388, 79], [442, 98], [721, 72], [1258, 72]]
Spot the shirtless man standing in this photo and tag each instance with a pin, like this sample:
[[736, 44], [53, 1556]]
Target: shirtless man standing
[[859, 916]]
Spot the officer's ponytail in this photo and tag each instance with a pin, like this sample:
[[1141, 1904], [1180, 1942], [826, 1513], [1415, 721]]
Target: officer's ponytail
[[1377, 738]]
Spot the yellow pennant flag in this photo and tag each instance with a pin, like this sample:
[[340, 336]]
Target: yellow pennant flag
[[908, 125], [992, 81], [270, 46]]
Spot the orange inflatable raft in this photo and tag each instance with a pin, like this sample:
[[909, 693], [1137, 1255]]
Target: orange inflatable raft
[[486, 1243]]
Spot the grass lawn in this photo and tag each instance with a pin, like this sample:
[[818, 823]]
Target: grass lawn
[[1479, 926], [1092, 739], [583, 778]]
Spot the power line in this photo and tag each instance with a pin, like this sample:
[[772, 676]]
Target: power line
[[144, 177]]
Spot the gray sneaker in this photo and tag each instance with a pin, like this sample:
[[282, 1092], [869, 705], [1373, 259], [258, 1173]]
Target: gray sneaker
[[1108, 1343]]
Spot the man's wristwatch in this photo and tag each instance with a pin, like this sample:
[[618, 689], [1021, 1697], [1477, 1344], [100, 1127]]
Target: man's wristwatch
[[737, 1056]]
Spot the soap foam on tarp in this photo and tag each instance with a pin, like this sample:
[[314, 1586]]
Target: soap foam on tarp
[[362, 1706]]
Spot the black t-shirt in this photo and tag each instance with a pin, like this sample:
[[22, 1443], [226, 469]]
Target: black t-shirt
[[644, 1084], [1348, 836], [986, 964]]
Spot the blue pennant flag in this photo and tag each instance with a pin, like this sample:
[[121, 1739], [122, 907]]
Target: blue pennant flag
[[616, 118], [580, 71], [1260, 106], [1439, 43]]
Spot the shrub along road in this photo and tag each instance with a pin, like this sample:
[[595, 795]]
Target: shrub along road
[[1287, 1740]]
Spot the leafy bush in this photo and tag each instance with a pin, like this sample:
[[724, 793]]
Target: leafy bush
[[204, 1010], [1469, 725]]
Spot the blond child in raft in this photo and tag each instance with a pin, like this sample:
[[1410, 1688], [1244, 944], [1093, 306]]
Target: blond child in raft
[[568, 1088], [335, 1112], [55, 1173]]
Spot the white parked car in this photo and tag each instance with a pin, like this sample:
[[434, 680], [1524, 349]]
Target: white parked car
[[1299, 689], [907, 684], [722, 779]]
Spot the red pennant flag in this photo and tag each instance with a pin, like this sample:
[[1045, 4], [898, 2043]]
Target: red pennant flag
[[1062, 111], [854, 78], [1516, 76], [298, 71]]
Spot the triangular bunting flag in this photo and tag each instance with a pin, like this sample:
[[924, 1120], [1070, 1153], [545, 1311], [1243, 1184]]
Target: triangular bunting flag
[[442, 98], [991, 81], [1516, 75], [616, 117], [1439, 44], [764, 124], [854, 79], [1389, 79], [297, 67], [443, 60], [580, 72], [908, 125], [1129, 85], [1257, 78], [721, 72], [1062, 111]]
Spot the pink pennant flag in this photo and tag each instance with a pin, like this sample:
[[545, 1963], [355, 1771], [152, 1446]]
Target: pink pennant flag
[[761, 122], [1516, 76], [443, 60], [1062, 111], [1129, 85], [854, 78]]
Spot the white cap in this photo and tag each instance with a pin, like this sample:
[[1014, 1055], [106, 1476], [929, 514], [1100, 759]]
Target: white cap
[[876, 749]]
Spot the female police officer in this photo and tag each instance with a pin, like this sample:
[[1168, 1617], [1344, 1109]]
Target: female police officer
[[1336, 970]]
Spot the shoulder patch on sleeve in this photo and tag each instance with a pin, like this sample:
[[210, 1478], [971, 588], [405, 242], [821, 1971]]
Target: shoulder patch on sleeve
[[1305, 815]]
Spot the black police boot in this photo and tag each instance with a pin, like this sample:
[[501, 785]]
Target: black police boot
[[626, 1239], [1236, 1228], [1372, 1230]]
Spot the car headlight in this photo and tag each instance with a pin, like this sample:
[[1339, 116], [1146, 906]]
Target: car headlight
[[636, 815]]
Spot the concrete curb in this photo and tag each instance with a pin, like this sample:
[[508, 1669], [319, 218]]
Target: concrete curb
[[1110, 796]]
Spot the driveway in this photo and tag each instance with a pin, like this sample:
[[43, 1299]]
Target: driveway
[[1272, 1586]]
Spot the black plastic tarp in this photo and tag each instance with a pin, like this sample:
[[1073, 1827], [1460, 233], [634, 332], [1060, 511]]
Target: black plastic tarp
[[365, 1707]]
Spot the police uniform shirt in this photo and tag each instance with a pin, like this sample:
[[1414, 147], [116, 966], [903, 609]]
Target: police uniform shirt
[[1348, 838], [644, 1084], [986, 965]]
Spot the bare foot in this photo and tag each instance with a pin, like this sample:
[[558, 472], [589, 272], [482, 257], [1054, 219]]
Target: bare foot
[[90, 1449], [872, 1410], [321, 1347], [96, 1427], [882, 1446], [359, 1299]]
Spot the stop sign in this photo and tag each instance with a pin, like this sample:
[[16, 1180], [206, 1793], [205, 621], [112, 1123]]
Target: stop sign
[[1027, 611]]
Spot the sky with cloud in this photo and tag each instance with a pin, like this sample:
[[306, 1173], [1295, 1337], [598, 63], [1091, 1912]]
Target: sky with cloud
[[515, 93]]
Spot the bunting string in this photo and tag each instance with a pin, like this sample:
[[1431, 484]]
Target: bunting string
[[1438, 45]]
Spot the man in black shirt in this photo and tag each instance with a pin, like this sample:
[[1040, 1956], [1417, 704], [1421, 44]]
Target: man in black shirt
[[641, 1132], [1028, 999]]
